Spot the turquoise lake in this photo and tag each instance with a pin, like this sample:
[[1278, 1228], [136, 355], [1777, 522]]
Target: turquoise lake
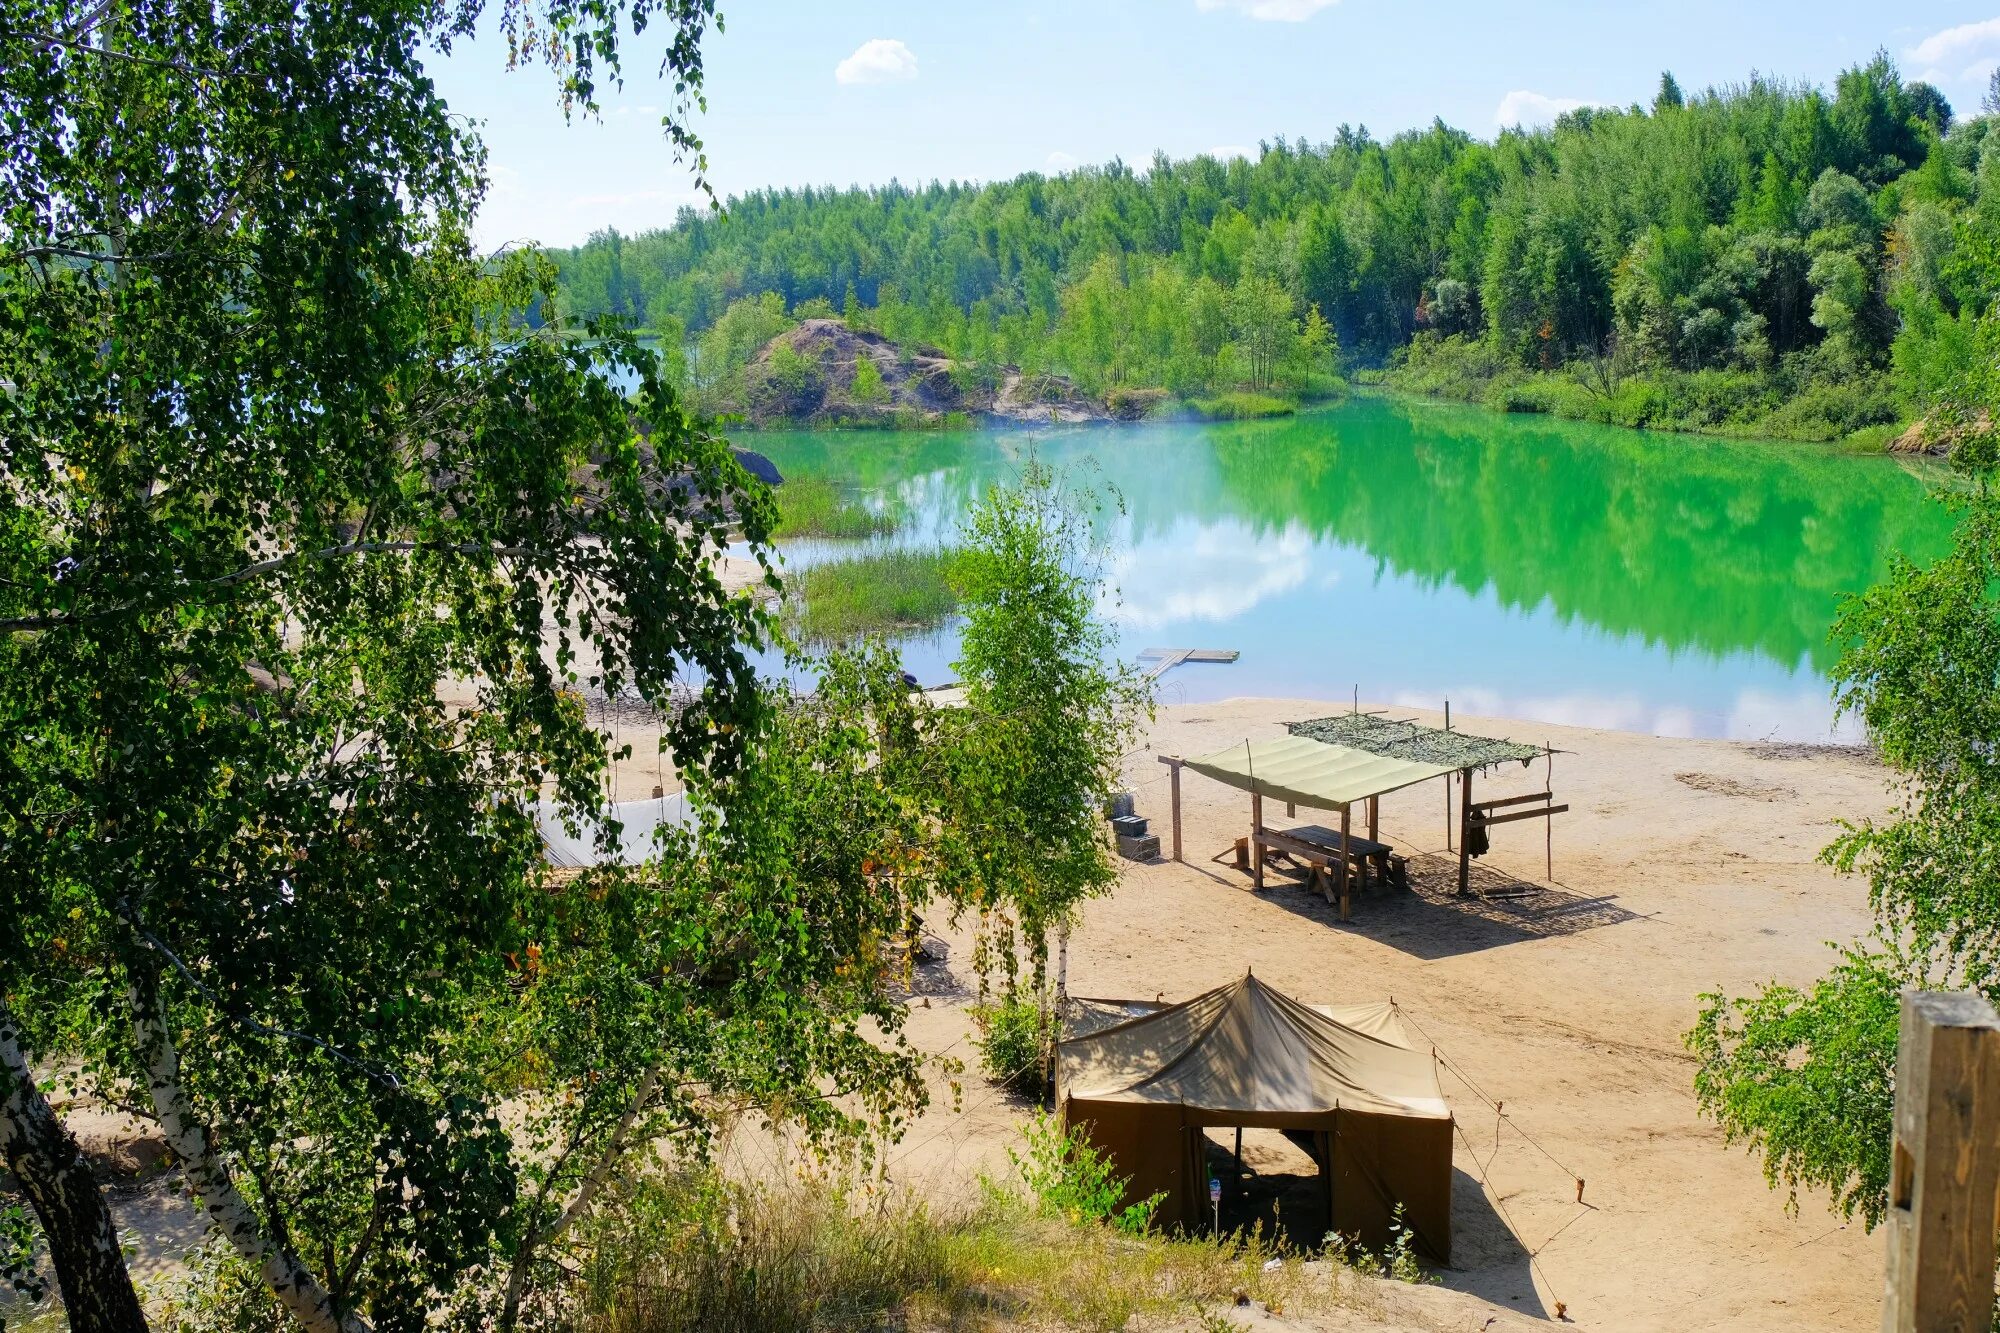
[[1514, 565]]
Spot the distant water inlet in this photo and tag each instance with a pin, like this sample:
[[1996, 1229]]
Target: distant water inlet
[[1516, 566]]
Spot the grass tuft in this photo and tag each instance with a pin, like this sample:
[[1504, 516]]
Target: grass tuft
[[692, 1253], [874, 592], [820, 507]]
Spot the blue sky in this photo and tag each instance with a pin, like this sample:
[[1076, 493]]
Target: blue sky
[[824, 92]]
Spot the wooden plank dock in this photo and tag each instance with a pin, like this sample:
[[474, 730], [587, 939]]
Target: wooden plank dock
[[1166, 659]]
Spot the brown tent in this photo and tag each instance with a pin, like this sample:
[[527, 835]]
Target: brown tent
[[1146, 1080]]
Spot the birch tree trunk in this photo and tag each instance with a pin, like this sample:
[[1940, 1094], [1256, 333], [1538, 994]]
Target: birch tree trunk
[[289, 1280], [90, 1268]]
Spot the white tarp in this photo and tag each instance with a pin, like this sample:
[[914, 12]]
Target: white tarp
[[640, 820]]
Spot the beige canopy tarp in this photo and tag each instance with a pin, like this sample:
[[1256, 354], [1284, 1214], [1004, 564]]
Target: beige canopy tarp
[[1245, 1054], [1312, 773]]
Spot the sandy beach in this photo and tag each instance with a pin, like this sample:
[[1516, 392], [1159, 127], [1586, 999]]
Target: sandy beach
[[1682, 866]]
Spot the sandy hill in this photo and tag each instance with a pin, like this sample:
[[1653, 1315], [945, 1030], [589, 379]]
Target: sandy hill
[[807, 375]]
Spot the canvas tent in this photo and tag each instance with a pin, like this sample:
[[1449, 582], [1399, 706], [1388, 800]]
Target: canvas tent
[[1146, 1081], [639, 822]]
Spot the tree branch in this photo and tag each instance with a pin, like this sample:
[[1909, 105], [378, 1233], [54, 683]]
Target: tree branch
[[31, 624]]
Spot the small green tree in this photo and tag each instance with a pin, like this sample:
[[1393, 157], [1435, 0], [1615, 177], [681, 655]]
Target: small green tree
[[868, 387], [1048, 718], [1260, 320]]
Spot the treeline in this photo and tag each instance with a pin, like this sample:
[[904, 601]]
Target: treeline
[[1714, 259]]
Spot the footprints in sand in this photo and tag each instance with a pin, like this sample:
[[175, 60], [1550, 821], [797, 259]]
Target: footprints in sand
[[1742, 789]]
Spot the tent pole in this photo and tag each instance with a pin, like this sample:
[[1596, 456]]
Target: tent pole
[[1447, 812], [1374, 818], [1239, 1152]]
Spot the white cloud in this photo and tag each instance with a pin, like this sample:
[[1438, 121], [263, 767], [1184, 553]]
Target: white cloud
[[1522, 107], [1964, 42], [878, 60], [1271, 11], [1060, 161]]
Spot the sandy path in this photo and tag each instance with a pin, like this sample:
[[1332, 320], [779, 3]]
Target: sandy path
[[1682, 866]]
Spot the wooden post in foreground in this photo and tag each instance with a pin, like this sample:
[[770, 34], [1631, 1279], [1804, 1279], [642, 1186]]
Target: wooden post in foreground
[[1174, 781], [1464, 830], [1256, 840], [1346, 855], [1944, 1166]]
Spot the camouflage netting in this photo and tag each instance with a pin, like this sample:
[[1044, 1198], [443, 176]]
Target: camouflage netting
[[1395, 739]]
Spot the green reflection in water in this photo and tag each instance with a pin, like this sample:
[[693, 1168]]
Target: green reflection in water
[[1690, 544]]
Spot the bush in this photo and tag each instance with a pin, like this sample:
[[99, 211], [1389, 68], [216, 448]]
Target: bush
[[1069, 1179], [1015, 1039], [1830, 410]]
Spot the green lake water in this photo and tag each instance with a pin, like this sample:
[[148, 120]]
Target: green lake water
[[1517, 566]]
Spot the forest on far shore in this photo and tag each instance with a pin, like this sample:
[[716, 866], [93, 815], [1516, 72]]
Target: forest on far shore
[[1762, 257]]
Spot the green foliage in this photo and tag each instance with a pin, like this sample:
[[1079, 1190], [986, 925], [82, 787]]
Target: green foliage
[[1806, 1077], [1795, 400], [1727, 229], [686, 1251], [1399, 1262], [1047, 718], [868, 388], [1806, 1080], [1017, 1036], [20, 1276], [1068, 1178], [817, 506], [1240, 407], [875, 592]]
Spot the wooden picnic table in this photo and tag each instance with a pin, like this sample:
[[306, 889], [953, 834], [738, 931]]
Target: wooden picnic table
[[1336, 859]]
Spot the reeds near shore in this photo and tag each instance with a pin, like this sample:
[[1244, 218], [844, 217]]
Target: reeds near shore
[[820, 507], [873, 592]]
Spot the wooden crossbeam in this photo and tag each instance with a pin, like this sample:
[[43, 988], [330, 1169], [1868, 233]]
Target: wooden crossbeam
[[1488, 821], [1499, 801]]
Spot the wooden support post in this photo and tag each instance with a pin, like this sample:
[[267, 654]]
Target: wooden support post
[[1465, 832], [1256, 842], [1944, 1166], [1291, 810], [1447, 812], [1374, 818], [1346, 890], [1174, 784]]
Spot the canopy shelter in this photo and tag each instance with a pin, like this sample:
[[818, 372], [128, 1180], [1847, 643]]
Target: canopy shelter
[[1145, 1080], [1332, 763]]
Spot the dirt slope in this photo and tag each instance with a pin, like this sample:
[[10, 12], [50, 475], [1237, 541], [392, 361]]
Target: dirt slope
[[806, 375]]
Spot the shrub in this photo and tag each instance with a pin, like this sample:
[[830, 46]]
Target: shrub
[[1069, 1179], [1015, 1038]]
